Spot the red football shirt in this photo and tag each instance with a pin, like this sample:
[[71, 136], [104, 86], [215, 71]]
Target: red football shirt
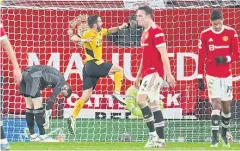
[[213, 44], [2, 32], [151, 39]]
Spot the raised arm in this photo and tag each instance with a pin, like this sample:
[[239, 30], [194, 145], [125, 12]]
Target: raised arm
[[11, 54], [115, 29]]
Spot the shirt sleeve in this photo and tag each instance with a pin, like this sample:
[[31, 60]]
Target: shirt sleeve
[[56, 90], [104, 31], [84, 35], [234, 48], [2, 32], [158, 37], [201, 55]]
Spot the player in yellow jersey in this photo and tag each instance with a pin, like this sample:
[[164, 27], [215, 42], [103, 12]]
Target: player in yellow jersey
[[95, 67]]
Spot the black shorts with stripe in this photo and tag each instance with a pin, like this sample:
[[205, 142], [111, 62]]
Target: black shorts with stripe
[[92, 71]]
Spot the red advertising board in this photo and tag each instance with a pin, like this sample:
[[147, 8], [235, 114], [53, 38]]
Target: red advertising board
[[40, 36]]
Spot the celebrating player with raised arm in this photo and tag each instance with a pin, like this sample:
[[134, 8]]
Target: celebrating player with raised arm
[[35, 79], [218, 48], [154, 65], [95, 67], [4, 41]]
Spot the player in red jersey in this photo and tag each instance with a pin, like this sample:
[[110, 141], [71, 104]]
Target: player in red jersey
[[4, 41], [154, 65], [218, 48]]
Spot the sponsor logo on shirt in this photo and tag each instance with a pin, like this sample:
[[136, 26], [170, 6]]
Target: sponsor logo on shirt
[[213, 47], [210, 40]]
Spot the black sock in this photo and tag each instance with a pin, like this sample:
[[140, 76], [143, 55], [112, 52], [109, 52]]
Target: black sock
[[2, 133], [225, 123], [148, 117], [215, 117], [159, 123], [40, 120], [30, 120]]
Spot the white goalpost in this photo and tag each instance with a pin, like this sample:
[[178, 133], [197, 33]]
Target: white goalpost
[[38, 31]]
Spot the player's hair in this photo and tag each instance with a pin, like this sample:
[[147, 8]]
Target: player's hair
[[148, 10], [69, 91], [216, 14], [92, 20]]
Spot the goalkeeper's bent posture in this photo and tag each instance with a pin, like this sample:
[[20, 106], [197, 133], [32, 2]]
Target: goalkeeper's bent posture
[[95, 67], [132, 105], [35, 79]]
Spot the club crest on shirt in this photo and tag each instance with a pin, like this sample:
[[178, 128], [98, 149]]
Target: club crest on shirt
[[225, 38]]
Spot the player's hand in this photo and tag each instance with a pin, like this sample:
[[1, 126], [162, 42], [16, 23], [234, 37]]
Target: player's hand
[[70, 32], [171, 80], [137, 83], [87, 40], [201, 84], [48, 113], [17, 76], [221, 60], [124, 25]]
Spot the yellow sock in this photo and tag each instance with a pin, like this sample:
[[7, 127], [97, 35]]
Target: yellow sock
[[77, 108], [118, 77]]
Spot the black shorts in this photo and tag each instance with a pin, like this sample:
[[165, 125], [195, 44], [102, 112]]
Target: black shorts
[[92, 72], [29, 86]]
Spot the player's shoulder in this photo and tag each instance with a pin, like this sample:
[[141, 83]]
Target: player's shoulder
[[88, 32], [156, 27], [156, 30], [228, 28], [205, 31]]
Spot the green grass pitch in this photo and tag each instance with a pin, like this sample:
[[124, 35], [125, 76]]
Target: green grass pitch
[[116, 146]]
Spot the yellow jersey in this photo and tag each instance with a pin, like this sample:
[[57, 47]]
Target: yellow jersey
[[93, 49]]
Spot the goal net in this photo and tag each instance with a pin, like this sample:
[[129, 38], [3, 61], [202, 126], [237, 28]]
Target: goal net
[[38, 31]]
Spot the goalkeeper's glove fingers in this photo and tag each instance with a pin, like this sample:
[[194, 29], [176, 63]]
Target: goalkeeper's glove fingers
[[48, 113], [201, 84], [220, 60]]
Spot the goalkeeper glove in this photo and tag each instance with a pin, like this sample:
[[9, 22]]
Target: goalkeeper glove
[[221, 60], [201, 84], [47, 119]]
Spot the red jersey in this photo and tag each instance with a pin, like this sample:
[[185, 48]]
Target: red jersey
[[151, 61], [213, 44], [2, 32]]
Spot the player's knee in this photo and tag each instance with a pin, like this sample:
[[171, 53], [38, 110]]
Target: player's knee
[[29, 103], [86, 95], [154, 108], [37, 102], [116, 68], [216, 104], [142, 100], [226, 110]]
